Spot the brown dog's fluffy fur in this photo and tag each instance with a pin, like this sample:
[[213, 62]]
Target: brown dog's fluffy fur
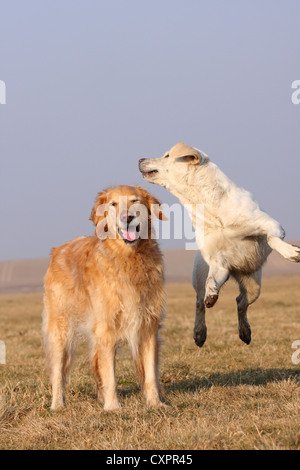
[[114, 292]]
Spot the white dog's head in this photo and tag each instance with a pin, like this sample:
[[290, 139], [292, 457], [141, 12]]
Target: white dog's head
[[175, 168]]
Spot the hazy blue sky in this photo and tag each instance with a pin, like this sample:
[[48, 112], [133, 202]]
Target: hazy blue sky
[[92, 86]]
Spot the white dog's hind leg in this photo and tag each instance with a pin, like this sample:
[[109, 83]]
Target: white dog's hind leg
[[217, 276], [290, 252], [275, 235], [200, 329], [266, 226], [200, 273], [249, 292]]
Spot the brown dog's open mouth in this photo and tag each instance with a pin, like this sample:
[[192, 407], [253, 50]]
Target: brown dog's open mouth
[[130, 234]]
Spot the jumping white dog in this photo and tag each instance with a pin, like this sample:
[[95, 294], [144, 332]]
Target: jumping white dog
[[238, 236]]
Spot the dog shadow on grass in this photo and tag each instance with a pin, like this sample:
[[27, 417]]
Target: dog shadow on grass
[[232, 379], [189, 384]]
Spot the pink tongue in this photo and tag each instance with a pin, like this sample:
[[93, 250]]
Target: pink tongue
[[130, 234]]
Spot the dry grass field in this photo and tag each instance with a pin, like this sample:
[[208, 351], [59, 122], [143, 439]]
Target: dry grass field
[[224, 396]]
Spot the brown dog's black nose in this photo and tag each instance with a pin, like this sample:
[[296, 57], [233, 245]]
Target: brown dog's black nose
[[126, 217]]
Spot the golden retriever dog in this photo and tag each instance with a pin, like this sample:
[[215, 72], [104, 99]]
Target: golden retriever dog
[[236, 236], [111, 287]]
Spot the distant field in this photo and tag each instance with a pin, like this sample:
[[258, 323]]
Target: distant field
[[224, 396], [26, 275]]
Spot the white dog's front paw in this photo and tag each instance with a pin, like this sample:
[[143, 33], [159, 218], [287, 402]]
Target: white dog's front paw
[[210, 300]]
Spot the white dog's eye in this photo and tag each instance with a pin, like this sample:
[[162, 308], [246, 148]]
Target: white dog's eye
[[166, 156]]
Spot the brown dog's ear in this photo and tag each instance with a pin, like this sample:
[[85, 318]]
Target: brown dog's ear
[[100, 200], [153, 204], [155, 208]]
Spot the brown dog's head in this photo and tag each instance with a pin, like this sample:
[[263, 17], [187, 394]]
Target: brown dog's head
[[124, 213]]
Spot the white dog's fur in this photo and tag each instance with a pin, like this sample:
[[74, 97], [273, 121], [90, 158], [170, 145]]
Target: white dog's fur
[[238, 235]]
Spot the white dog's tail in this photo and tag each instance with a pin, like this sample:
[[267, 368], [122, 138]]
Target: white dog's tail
[[290, 252]]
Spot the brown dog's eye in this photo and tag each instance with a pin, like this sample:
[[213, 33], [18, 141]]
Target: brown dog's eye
[[113, 204]]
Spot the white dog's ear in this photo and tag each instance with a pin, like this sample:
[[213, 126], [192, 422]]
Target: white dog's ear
[[194, 159], [203, 157], [184, 153]]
